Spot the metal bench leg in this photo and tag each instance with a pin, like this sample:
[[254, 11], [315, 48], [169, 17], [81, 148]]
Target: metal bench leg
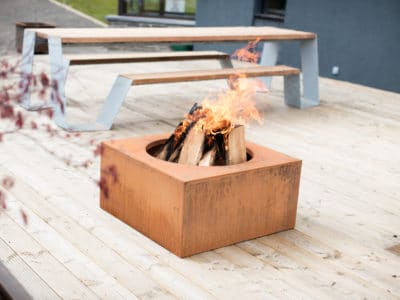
[[226, 63], [269, 57], [59, 71], [108, 112], [309, 68], [292, 90], [113, 102]]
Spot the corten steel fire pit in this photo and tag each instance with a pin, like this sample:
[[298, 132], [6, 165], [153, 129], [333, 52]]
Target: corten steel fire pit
[[191, 209]]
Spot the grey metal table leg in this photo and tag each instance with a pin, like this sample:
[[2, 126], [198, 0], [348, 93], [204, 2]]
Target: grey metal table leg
[[28, 52], [28, 49], [58, 70], [269, 57], [309, 68]]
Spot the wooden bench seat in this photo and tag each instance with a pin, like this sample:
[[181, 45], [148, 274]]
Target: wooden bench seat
[[198, 75], [123, 83], [133, 57]]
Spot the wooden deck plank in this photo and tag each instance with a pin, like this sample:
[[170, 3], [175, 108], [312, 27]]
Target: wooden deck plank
[[348, 282], [42, 262], [197, 34], [36, 287], [360, 266], [97, 280]]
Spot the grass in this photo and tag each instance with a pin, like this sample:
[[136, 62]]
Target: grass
[[190, 5], [98, 9]]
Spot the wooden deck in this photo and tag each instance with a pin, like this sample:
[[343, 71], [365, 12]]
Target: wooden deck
[[347, 237]]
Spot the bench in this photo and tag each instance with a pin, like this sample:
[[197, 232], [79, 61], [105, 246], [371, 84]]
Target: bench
[[123, 83], [132, 57], [269, 36], [136, 57]]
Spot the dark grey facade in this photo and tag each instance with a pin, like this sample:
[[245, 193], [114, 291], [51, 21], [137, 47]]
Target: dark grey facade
[[360, 37]]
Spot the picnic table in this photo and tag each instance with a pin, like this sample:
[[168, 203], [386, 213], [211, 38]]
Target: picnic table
[[270, 36]]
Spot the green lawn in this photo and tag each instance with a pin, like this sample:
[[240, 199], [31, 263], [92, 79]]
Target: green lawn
[[97, 9], [100, 8], [190, 6]]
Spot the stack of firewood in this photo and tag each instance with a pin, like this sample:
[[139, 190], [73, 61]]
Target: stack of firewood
[[195, 143]]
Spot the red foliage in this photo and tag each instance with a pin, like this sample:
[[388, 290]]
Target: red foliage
[[99, 150], [34, 125], [3, 204], [109, 171], [14, 85], [12, 94], [24, 217], [102, 183], [19, 120], [7, 182]]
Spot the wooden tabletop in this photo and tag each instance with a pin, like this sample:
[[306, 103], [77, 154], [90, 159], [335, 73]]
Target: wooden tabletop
[[180, 34]]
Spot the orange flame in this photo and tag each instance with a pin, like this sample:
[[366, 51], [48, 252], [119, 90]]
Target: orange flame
[[248, 53], [230, 108]]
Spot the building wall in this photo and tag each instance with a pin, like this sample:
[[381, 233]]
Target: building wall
[[224, 13], [361, 37]]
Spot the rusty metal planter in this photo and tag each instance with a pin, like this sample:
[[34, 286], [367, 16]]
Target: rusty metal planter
[[191, 209]]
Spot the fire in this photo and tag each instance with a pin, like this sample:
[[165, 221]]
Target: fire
[[230, 108], [248, 53], [216, 121], [233, 107]]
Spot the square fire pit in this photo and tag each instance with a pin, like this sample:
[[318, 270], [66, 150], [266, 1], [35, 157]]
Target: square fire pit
[[191, 209]]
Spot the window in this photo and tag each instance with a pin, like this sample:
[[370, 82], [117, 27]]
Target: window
[[157, 8], [272, 9]]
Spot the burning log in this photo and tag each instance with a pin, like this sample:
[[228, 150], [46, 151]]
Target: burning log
[[175, 155], [192, 149], [209, 157], [167, 149], [175, 140], [220, 146], [204, 141], [236, 146]]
